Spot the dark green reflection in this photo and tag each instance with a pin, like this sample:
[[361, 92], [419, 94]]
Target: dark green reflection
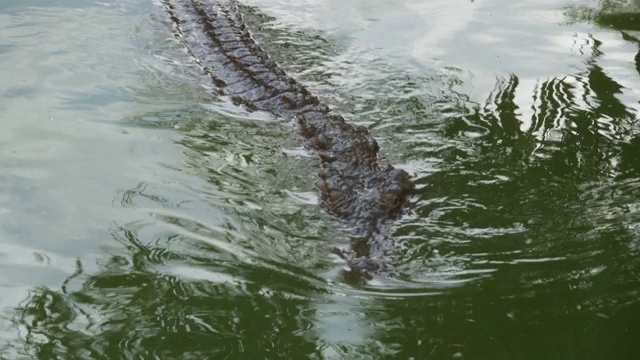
[[131, 310], [616, 14], [545, 200]]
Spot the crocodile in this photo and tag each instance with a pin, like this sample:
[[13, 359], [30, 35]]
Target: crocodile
[[355, 183]]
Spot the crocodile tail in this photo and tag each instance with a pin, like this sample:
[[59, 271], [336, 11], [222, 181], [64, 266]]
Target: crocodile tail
[[355, 184]]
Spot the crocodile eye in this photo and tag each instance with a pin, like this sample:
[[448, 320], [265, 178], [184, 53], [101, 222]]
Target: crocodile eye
[[373, 145], [321, 141]]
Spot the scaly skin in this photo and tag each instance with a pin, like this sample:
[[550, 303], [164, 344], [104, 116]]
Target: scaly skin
[[355, 185]]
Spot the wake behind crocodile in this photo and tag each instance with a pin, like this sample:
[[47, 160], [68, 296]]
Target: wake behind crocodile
[[355, 183]]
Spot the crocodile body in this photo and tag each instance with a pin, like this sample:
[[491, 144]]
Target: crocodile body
[[355, 184]]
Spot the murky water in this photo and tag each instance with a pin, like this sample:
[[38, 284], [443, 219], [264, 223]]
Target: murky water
[[142, 217]]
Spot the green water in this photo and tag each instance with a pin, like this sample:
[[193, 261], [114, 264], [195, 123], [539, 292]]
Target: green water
[[143, 218]]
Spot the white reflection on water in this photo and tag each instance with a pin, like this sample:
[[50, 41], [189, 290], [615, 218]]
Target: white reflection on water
[[64, 74]]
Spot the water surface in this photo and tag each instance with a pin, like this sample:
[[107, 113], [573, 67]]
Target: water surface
[[143, 217]]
